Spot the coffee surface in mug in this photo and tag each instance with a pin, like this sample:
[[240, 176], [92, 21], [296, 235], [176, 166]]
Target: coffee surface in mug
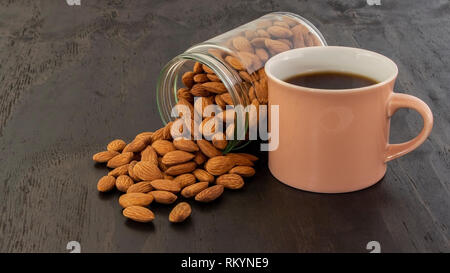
[[330, 80]]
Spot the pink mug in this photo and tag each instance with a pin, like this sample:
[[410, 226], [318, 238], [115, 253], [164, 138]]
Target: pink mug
[[334, 141]]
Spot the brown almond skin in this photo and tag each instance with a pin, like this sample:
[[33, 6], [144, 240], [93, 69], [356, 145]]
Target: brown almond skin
[[149, 154], [135, 146], [186, 145], [180, 212], [131, 172], [104, 156], [162, 146], [207, 148], [249, 156], [181, 168], [219, 165], [143, 187], [106, 183], [139, 214], [209, 194], [203, 175], [166, 185], [146, 170], [244, 171], [185, 180], [230, 181], [214, 87], [200, 158], [135, 199], [163, 197], [188, 79], [194, 189], [240, 160], [145, 136], [119, 171], [116, 145], [123, 182], [120, 160], [176, 157]]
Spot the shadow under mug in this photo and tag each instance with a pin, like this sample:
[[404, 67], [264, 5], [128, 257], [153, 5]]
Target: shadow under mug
[[334, 141]]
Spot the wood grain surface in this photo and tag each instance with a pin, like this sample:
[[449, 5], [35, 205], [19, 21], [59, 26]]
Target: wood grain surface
[[74, 77]]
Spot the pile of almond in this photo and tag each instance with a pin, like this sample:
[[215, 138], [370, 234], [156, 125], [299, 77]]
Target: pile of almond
[[155, 168], [164, 166]]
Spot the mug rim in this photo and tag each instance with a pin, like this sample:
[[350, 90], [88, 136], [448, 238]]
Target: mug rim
[[276, 58]]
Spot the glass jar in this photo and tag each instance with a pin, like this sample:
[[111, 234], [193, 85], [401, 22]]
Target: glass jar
[[229, 69]]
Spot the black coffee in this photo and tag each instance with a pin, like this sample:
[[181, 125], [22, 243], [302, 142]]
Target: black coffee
[[330, 80]]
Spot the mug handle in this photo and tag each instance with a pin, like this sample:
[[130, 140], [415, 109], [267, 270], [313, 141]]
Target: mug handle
[[397, 101]]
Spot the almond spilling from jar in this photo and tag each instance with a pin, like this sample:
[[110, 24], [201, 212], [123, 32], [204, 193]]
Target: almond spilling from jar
[[230, 181], [139, 214], [146, 170], [166, 185], [163, 197], [135, 199], [180, 212], [219, 165], [209, 194]]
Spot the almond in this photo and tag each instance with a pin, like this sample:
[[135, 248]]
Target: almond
[[131, 173], [259, 42], [215, 87], [240, 160], [209, 194], [244, 171], [219, 165], [180, 212], [200, 78], [281, 24], [149, 154], [219, 141], [163, 197], [185, 180], [199, 158], [287, 42], [176, 157], [146, 170], [163, 167], [166, 185], [181, 168], [116, 145], [186, 145], [197, 68], [262, 33], [261, 91], [139, 214], [213, 77], [207, 69], [143, 187], [168, 177], [104, 156], [120, 160], [194, 189], [199, 91], [226, 97], [276, 46], [242, 44], [106, 183], [158, 135], [123, 182], [188, 79], [145, 136], [162, 147], [262, 54], [135, 146], [230, 181], [119, 171], [184, 93], [207, 148], [279, 32], [234, 62], [203, 175], [135, 199]]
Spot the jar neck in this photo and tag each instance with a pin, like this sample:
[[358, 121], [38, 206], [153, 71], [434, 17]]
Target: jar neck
[[168, 82]]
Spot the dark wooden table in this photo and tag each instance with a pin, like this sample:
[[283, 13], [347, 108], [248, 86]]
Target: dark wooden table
[[74, 77]]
